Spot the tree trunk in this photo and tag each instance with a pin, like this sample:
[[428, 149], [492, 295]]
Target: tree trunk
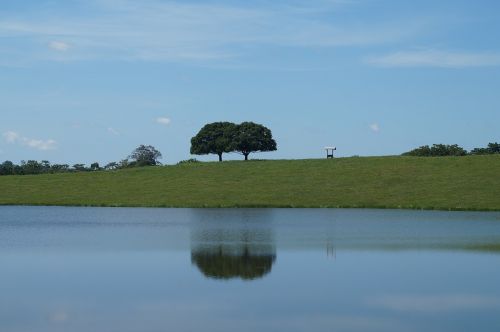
[[246, 156], [220, 156]]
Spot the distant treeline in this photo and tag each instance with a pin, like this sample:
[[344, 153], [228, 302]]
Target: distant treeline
[[142, 156], [441, 150], [148, 156]]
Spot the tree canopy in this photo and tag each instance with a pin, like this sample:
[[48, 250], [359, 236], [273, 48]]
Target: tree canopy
[[252, 137], [220, 137], [145, 155], [216, 138]]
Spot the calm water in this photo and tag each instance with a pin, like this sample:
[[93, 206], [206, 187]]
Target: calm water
[[100, 269]]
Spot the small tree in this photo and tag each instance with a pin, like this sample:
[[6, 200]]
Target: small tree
[[215, 138], [95, 166], [146, 156], [123, 164], [7, 168], [31, 167], [111, 165], [45, 164], [252, 137], [79, 167], [479, 151], [59, 168], [494, 148]]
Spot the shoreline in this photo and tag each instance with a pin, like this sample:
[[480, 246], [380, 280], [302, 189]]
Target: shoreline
[[250, 206]]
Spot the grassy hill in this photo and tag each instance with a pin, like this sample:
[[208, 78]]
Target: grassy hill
[[457, 183]]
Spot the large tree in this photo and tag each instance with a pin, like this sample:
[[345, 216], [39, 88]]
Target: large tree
[[145, 155], [216, 138], [252, 137]]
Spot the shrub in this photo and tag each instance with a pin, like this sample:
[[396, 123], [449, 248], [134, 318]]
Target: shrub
[[437, 150], [188, 161], [492, 148]]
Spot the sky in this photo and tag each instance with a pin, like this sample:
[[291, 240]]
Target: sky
[[86, 81]]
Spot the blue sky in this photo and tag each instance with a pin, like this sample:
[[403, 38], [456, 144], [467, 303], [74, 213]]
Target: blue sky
[[85, 81]]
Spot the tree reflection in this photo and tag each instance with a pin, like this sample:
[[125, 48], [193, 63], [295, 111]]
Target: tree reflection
[[233, 249], [217, 264]]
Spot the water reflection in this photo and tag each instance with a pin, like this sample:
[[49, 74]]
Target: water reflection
[[239, 248], [222, 262], [90, 269]]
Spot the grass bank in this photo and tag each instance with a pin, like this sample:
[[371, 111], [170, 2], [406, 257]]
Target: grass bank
[[446, 183]]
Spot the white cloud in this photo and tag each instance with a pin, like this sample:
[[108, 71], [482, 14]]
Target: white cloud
[[58, 316], [43, 145], [178, 31], [11, 136], [113, 131], [163, 121], [375, 127], [59, 46], [435, 303], [433, 58]]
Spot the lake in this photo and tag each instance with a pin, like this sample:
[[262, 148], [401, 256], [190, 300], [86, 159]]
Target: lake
[[121, 269]]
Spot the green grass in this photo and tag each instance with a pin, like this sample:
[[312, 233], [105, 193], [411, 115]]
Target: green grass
[[445, 183]]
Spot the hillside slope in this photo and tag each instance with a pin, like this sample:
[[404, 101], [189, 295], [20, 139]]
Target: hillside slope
[[461, 183]]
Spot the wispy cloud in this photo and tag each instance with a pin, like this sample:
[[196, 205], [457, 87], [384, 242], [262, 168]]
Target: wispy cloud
[[113, 131], [59, 46], [13, 137], [374, 127], [163, 121], [434, 58], [158, 30]]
